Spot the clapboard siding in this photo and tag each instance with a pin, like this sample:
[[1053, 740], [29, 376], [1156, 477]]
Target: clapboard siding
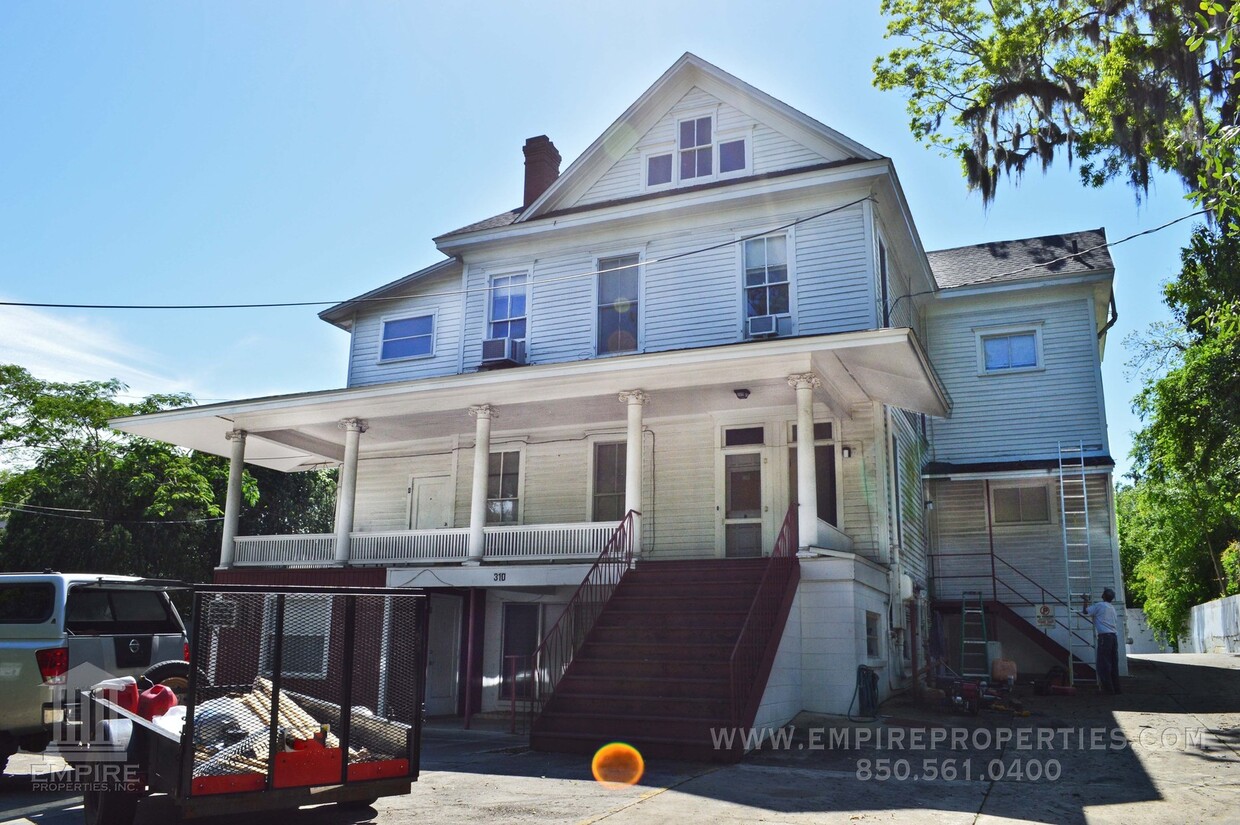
[[383, 489], [439, 294], [862, 511], [692, 301], [833, 285], [771, 150], [684, 490], [962, 542], [911, 455], [1023, 414]]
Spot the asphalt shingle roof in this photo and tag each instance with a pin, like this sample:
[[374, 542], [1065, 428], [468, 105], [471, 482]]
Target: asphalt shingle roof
[[1003, 261]]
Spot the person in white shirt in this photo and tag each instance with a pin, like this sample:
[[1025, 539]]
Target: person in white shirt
[[1107, 657]]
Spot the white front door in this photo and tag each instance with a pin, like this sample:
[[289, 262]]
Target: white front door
[[430, 503], [443, 657]]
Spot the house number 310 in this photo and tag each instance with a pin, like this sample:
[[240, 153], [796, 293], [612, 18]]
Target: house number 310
[[499, 577]]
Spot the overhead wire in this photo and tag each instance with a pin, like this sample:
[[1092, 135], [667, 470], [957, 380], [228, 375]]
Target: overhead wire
[[587, 274]]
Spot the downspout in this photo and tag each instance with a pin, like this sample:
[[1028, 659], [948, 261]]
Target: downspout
[[1113, 320]]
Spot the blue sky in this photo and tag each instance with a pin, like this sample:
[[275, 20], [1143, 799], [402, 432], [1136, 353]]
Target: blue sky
[[232, 152]]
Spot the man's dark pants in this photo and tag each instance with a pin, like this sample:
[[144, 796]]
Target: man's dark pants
[[1108, 662]]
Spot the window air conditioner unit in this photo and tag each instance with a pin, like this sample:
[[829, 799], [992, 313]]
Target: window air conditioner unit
[[503, 352], [763, 326]]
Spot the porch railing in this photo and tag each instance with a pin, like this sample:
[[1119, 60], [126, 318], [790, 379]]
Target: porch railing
[[540, 673], [530, 542], [751, 654]]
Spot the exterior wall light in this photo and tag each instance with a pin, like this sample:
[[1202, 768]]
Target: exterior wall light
[[742, 394]]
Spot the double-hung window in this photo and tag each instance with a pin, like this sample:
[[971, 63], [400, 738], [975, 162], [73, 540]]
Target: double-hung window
[[696, 149], [618, 286], [609, 480], [408, 337], [508, 300], [503, 487], [766, 276], [1009, 350]]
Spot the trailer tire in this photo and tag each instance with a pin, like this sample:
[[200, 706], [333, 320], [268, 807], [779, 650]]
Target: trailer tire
[[115, 807]]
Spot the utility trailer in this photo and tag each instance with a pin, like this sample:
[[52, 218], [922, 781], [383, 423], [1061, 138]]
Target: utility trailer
[[295, 696]]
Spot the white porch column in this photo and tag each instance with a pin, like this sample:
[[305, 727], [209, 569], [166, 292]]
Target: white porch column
[[636, 399], [346, 486], [232, 503], [807, 476], [482, 413]]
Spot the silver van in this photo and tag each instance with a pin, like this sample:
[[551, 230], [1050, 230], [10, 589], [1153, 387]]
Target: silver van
[[63, 632]]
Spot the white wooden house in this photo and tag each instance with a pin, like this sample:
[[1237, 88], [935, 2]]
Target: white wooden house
[[653, 330]]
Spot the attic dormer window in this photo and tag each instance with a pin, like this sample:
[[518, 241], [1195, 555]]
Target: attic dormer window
[[700, 154]]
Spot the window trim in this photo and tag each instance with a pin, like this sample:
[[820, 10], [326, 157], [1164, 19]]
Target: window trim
[[980, 335], [509, 448], [386, 319], [528, 272], [877, 618], [668, 149], [641, 302], [1019, 485], [742, 301], [264, 660]]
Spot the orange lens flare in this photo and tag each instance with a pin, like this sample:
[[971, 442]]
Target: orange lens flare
[[618, 765]]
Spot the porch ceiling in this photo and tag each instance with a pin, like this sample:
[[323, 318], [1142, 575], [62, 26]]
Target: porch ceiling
[[297, 432]]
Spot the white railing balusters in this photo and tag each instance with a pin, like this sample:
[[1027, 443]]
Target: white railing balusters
[[512, 543]]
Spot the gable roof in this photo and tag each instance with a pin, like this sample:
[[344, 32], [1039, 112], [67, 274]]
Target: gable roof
[[1073, 253], [621, 136], [342, 313]]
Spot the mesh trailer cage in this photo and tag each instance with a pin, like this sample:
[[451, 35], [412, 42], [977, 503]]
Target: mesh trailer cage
[[297, 686]]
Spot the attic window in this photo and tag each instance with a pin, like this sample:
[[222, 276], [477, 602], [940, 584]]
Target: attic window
[[696, 155], [1012, 349], [408, 338]]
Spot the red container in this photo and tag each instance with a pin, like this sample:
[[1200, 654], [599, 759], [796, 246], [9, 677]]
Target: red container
[[122, 691], [156, 702]]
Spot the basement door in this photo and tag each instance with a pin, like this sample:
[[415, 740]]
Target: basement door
[[443, 658], [430, 503]]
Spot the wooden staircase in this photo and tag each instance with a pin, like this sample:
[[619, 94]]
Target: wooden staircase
[[655, 670]]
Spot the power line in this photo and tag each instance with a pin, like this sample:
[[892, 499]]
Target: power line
[[586, 274], [446, 293], [35, 510]]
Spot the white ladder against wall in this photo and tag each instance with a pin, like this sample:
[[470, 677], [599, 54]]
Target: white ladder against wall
[[1078, 564]]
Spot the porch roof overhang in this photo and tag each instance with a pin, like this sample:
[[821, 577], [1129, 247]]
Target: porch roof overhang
[[300, 432]]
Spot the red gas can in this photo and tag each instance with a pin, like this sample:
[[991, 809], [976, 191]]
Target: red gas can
[[156, 702]]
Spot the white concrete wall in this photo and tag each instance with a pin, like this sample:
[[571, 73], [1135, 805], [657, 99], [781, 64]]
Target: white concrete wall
[[1141, 637], [781, 700], [1214, 627]]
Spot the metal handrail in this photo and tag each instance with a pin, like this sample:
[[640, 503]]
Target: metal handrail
[[546, 665], [755, 636], [996, 580]]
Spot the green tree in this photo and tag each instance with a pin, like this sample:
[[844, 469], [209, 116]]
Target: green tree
[[1124, 86], [80, 496], [1182, 511]]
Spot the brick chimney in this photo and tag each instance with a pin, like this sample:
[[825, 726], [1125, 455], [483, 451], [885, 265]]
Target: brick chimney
[[542, 167]]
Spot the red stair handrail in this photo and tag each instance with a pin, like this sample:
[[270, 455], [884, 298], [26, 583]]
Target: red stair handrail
[[751, 650], [546, 665]]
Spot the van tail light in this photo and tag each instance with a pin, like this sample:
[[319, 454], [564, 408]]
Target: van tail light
[[53, 664], [185, 652]]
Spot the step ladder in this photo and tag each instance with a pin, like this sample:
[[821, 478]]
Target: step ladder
[[1078, 563], [974, 661]]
